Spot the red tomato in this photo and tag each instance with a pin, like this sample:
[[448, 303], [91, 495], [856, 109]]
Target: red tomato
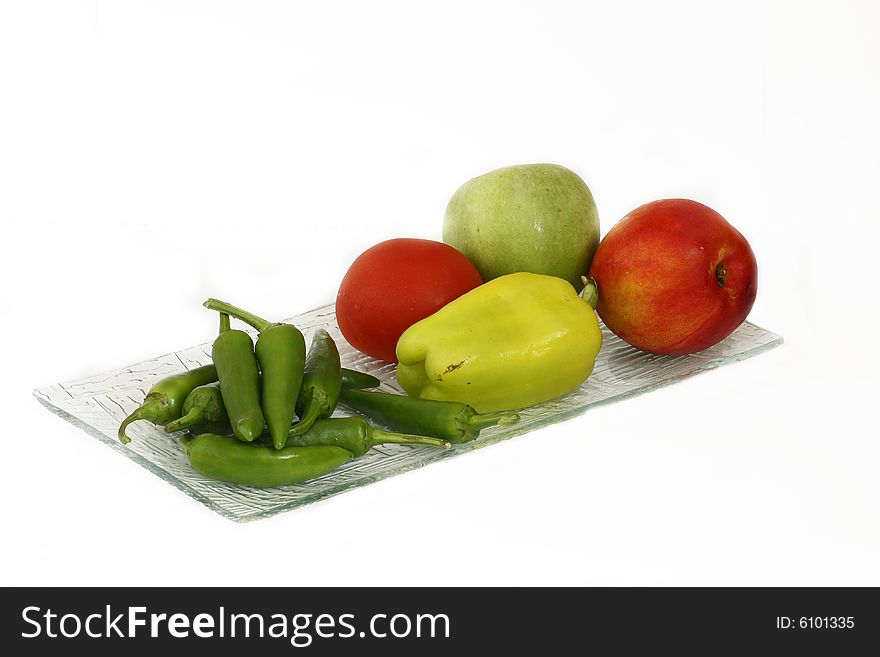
[[393, 285]]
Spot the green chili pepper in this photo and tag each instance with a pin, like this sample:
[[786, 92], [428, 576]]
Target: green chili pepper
[[322, 383], [164, 401], [233, 355], [454, 421], [352, 380], [281, 352], [203, 407], [356, 435], [227, 459], [204, 411]]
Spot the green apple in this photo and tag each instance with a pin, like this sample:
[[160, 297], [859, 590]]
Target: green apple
[[539, 218]]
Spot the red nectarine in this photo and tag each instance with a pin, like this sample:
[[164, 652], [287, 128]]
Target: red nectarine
[[674, 277]]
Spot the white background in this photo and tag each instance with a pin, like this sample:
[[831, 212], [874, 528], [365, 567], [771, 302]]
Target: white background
[[156, 153]]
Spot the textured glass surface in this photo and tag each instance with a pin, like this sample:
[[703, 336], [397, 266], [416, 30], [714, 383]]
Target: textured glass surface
[[98, 404]]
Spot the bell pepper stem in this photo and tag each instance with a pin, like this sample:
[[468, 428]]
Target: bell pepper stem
[[590, 293], [479, 422], [224, 323], [248, 318], [377, 436]]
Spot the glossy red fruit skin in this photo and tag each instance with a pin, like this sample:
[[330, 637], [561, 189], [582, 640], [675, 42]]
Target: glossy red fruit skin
[[395, 284], [674, 277]]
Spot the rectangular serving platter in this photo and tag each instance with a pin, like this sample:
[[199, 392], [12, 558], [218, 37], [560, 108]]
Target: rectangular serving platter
[[97, 404]]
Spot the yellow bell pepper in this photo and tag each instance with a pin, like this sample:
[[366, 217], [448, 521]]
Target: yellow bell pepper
[[513, 342]]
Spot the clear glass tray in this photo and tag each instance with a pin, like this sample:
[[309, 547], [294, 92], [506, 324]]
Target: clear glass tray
[[98, 404]]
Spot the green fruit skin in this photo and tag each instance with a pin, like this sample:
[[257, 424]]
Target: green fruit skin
[[538, 218]]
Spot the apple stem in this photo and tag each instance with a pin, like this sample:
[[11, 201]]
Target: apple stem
[[590, 293], [720, 274]]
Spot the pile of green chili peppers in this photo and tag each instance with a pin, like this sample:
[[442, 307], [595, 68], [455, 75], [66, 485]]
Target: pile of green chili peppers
[[261, 414]]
